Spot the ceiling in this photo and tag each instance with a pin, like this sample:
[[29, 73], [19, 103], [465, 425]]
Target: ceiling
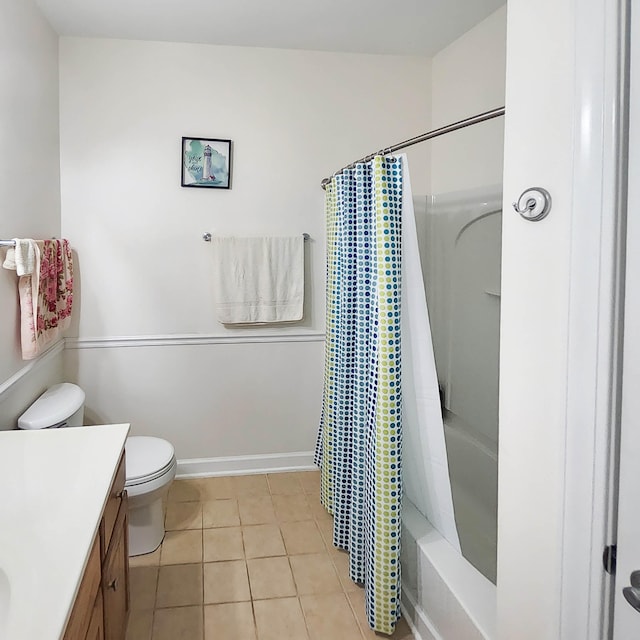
[[403, 27]]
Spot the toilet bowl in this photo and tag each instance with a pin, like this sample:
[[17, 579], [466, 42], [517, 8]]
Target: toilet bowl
[[150, 468], [150, 463]]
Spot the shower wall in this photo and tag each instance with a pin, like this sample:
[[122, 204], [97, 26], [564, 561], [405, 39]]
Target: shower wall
[[459, 230], [461, 239]]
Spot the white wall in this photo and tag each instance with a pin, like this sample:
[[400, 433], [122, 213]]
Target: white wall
[[294, 117], [468, 77], [466, 176], [29, 175]]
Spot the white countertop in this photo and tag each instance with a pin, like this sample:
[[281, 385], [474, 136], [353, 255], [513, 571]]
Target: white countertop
[[54, 484]]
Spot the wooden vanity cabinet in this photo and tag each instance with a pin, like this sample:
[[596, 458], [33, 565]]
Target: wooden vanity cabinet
[[115, 578], [96, 624], [101, 609]]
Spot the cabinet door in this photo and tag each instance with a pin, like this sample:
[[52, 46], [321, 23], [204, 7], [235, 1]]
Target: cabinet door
[[115, 579], [96, 625], [112, 508]]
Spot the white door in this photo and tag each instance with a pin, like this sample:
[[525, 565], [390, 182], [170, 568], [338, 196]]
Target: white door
[[626, 616]]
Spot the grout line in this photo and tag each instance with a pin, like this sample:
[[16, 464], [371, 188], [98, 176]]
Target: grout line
[[307, 497], [202, 573]]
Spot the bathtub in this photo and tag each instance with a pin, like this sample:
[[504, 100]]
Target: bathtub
[[447, 595], [448, 590], [473, 472], [444, 597]]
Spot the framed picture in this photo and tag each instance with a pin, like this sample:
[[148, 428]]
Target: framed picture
[[206, 162]]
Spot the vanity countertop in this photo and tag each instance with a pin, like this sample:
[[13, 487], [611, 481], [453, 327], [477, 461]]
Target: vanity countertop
[[54, 485]]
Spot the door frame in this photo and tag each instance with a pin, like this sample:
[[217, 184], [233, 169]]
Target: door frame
[[561, 318], [595, 317], [626, 620]]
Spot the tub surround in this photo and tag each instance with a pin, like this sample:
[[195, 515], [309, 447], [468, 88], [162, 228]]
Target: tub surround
[[443, 595], [55, 484]]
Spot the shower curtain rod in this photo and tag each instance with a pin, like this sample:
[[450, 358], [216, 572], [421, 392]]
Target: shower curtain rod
[[481, 117]]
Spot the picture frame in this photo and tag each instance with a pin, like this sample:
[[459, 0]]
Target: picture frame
[[206, 163]]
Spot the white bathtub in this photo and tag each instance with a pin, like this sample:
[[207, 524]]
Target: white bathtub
[[443, 596]]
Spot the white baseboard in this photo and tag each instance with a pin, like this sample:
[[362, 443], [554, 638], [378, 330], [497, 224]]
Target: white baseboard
[[245, 465]]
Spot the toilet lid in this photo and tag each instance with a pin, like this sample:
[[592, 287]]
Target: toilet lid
[[145, 456]]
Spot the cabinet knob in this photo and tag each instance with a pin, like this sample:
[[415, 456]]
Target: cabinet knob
[[120, 494], [113, 584]]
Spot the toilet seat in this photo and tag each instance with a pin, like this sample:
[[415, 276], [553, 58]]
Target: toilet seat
[[148, 459]]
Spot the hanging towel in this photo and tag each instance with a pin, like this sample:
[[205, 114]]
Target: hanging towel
[[46, 296], [258, 280], [21, 258]]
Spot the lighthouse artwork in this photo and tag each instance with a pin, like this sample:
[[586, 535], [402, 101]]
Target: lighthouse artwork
[[206, 162], [206, 173]]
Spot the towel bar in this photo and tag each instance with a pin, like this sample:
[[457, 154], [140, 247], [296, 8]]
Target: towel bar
[[207, 236]]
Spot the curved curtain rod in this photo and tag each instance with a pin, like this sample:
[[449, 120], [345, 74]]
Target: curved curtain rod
[[467, 122]]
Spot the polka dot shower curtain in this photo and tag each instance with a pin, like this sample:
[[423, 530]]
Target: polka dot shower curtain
[[359, 441]]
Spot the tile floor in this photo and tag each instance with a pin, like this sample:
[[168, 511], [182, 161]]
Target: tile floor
[[247, 558]]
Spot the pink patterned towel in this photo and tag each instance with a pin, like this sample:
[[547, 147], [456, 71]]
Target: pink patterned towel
[[46, 297]]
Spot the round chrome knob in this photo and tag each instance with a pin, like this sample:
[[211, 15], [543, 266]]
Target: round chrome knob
[[533, 204]]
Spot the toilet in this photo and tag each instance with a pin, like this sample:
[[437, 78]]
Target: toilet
[[150, 463]]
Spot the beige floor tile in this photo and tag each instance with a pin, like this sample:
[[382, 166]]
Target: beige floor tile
[[251, 485], [140, 624], [280, 619], [143, 582], [310, 481], [292, 508], [356, 600], [326, 531], [262, 541], [183, 515], [330, 616], [220, 513], [188, 490], [284, 483], [256, 510], [226, 582], [223, 544], [340, 561], [181, 547], [302, 537], [179, 585], [402, 632], [146, 560], [314, 574], [216, 488], [270, 578], [231, 621], [181, 623], [317, 509]]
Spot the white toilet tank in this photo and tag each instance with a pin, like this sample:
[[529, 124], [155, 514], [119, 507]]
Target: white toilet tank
[[59, 406]]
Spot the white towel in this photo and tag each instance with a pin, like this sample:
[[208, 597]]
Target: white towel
[[258, 280], [22, 257]]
